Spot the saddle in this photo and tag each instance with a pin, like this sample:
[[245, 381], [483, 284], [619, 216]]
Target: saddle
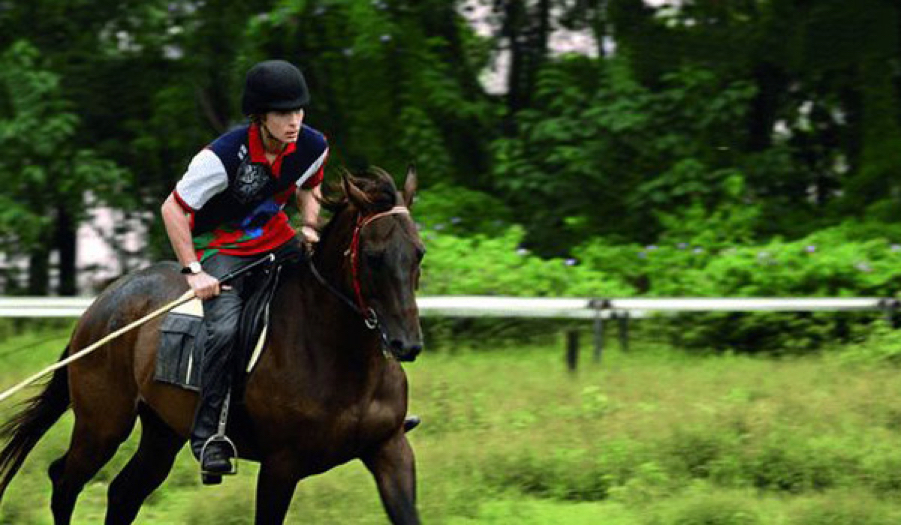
[[180, 351]]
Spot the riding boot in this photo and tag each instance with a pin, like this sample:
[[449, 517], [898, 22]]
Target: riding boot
[[208, 443], [410, 422]]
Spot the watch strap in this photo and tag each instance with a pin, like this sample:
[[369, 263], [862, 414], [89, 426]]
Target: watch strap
[[192, 268]]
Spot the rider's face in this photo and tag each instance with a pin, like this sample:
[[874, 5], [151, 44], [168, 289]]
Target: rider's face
[[284, 125]]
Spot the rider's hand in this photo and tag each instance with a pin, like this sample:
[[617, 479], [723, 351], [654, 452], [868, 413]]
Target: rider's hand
[[309, 234], [205, 286]]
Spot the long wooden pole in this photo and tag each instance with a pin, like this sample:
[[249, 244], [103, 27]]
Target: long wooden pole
[[270, 258], [87, 350]]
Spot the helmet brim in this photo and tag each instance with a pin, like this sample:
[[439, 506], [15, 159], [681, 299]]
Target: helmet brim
[[249, 108]]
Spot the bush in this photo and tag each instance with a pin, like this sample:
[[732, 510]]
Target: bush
[[698, 452], [882, 470], [881, 346], [844, 509], [620, 469], [844, 261], [703, 508], [500, 266], [460, 211]]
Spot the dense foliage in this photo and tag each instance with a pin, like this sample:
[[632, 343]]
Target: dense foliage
[[731, 136]]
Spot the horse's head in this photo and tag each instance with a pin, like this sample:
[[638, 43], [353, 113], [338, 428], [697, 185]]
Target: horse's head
[[382, 257]]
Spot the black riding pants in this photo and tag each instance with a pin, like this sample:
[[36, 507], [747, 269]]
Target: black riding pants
[[222, 316]]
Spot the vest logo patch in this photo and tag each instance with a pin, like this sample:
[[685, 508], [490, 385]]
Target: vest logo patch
[[251, 182]]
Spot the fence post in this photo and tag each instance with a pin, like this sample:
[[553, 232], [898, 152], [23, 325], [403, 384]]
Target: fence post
[[572, 350], [623, 319], [599, 305], [890, 309]]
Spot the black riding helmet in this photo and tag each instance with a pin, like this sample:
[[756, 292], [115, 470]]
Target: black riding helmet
[[273, 85]]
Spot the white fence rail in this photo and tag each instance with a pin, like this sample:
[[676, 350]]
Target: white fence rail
[[597, 309], [560, 308]]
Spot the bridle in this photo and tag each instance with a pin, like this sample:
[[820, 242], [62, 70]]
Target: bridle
[[353, 253]]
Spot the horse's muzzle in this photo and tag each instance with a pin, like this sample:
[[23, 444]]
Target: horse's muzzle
[[404, 351]]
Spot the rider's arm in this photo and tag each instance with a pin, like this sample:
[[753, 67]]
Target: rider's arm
[[178, 228], [205, 178], [308, 204]]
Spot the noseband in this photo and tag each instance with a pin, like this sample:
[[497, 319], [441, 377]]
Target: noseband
[[353, 252]]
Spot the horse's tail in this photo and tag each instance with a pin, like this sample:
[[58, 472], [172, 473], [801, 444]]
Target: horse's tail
[[30, 424]]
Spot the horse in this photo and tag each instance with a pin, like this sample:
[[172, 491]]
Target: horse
[[328, 389]]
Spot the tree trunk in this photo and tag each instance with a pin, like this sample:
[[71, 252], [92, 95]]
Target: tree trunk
[[39, 270], [771, 84], [512, 26], [66, 243], [543, 31], [598, 23]]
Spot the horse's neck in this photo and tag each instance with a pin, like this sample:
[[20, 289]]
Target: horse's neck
[[324, 335]]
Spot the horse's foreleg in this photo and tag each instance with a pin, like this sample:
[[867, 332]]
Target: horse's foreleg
[[146, 470], [275, 487], [394, 469]]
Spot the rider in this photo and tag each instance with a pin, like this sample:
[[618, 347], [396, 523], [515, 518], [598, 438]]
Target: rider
[[227, 211]]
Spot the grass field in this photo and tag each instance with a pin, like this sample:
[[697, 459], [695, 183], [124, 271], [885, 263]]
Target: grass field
[[649, 437]]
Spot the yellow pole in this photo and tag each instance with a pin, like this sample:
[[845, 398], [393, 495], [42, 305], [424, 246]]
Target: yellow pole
[[85, 351]]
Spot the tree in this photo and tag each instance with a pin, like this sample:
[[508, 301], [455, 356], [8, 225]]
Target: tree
[[392, 81], [44, 173]]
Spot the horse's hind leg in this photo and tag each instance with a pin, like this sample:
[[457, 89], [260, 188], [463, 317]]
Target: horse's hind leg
[[92, 445], [394, 469], [146, 470]]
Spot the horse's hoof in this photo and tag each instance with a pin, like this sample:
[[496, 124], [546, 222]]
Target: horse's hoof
[[210, 479], [411, 422]]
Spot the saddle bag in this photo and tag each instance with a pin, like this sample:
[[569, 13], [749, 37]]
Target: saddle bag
[[180, 350]]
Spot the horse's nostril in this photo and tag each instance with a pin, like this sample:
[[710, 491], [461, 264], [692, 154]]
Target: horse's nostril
[[405, 352]]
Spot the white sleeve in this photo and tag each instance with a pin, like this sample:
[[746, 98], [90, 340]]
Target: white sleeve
[[205, 178], [313, 168]]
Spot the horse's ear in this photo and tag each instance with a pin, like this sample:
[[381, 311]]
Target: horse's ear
[[356, 196], [410, 184]]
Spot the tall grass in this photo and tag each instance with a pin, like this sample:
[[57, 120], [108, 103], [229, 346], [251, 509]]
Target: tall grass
[[649, 437]]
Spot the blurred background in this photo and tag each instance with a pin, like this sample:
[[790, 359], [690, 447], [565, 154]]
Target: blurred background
[[567, 128], [566, 148]]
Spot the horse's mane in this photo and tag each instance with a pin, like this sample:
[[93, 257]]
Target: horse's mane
[[375, 184], [376, 187]]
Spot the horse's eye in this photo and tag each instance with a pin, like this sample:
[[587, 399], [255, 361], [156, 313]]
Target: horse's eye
[[375, 260]]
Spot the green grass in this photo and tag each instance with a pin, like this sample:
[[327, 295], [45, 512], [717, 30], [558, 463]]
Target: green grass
[[652, 437]]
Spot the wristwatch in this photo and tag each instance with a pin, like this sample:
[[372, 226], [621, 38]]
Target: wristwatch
[[193, 268]]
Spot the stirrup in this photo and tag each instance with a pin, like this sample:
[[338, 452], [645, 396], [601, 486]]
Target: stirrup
[[214, 478]]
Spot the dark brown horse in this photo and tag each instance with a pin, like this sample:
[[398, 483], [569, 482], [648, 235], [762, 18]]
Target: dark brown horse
[[326, 390]]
